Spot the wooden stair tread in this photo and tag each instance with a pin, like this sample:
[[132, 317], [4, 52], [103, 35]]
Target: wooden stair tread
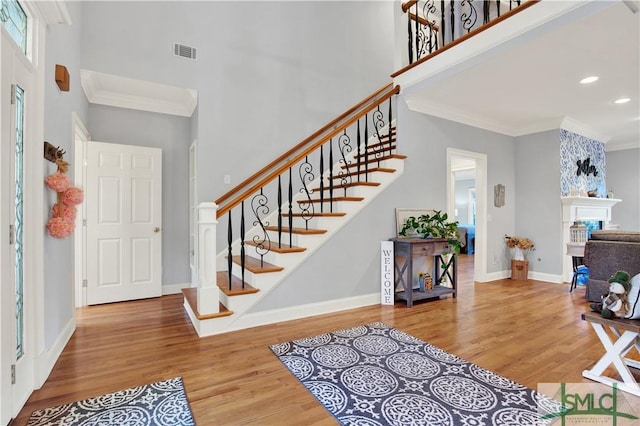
[[191, 296], [348, 185], [381, 146], [378, 159], [301, 231], [222, 279], [284, 248], [370, 170], [317, 214], [317, 200], [254, 265]]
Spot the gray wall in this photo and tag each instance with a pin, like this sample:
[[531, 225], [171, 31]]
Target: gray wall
[[425, 140], [348, 264], [623, 178], [267, 74], [62, 47], [171, 134], [538, 207]]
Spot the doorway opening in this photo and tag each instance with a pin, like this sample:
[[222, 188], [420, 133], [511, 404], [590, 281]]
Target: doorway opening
[[467, 177]]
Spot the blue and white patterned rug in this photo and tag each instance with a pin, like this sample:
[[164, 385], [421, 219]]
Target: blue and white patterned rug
[[157, 404], [377, 375]]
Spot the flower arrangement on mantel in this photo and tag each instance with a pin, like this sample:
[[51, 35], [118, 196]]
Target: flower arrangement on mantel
[[519, 246], [63, 213]]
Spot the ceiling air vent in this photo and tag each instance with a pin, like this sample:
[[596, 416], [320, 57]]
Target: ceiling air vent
[[184, 51]]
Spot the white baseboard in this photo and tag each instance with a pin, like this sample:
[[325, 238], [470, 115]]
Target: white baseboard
[[551, 278], [44, 362], [495, 276], [174, 288], [539, 276], [255, 319]]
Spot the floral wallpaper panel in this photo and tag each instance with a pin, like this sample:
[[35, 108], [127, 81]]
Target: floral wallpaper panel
[[575, 148]]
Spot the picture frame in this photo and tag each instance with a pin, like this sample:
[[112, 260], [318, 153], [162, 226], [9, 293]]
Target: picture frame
[[403, 213]]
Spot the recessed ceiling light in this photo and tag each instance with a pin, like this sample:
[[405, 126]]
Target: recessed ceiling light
[[589, 79], [621, 100]]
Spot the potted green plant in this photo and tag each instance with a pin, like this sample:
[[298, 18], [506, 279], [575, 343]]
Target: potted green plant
[[432, 226]]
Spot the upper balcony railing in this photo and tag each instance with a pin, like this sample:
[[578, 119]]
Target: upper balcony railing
[[435, 26]]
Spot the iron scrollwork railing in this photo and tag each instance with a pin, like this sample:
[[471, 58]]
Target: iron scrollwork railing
[[433, 24], [314, 179], [305, 171]]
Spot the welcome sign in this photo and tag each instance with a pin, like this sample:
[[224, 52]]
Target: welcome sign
[[387, 280]]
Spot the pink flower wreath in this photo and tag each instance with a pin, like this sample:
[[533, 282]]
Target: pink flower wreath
[[60, 227], [68, 212], [72, 196], [57, 181], [63, 213]]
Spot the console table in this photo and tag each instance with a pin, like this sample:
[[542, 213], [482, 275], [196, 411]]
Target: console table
[[408, 249]]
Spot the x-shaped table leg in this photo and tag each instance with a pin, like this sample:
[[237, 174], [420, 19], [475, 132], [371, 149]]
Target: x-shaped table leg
[[615, 354]]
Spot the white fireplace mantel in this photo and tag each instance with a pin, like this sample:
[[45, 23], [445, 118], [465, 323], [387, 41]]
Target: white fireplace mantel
[[587, 208], [582, 208]]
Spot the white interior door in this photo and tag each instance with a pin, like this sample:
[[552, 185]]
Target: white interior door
[[124, 222]]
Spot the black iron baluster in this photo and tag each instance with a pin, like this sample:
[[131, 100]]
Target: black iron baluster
[[260, 208], [359, 162], [410, 35], [290, 209], [366, 148], [229, 250], [279, 211], [390, 120], [331, 175], [430, 37], [417, 39], [443, 23], [486, 5], [468, 20], [344, 145], [453, 20], [378, 124], [306, 176], [321, 178], [242, 253], [498, 6]]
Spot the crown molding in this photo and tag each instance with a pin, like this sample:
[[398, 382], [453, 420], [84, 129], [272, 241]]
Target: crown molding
[[454, 114], [619, 146], [582, 129], [123, 92], [472, 119]]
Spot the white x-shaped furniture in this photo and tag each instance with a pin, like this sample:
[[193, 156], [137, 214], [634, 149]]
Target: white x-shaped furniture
[[627, 333]]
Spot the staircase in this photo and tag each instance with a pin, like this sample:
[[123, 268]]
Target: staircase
[[293, 206]]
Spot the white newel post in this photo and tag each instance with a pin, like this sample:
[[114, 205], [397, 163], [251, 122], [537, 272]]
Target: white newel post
[[208, 296]]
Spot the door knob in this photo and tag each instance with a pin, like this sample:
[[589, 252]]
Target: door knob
[[156, 229]]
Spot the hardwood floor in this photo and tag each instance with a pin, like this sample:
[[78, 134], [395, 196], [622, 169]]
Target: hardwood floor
[[529, 331]]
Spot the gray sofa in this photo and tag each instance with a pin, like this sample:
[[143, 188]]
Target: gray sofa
[[607, 252]]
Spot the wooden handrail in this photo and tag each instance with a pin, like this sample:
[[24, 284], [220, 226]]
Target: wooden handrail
[[468, 35], [222, 210], [407, 5], [299, 146], [424, 22]]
